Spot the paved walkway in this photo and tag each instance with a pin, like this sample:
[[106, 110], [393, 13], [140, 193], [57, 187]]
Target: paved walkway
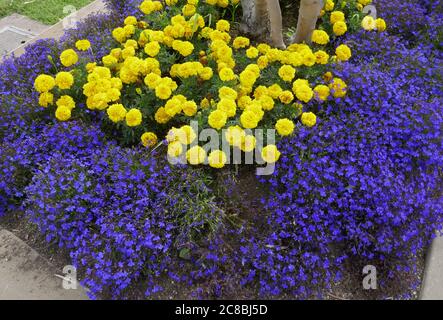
[[16, 31], [432, 286], [25, 275]]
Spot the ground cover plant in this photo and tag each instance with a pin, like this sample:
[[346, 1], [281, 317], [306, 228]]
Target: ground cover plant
[[358, 149]]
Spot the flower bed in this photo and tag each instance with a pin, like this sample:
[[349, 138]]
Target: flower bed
[[358, 171]]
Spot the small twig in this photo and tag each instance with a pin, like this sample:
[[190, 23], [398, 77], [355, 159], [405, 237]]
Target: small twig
[[336, 297]]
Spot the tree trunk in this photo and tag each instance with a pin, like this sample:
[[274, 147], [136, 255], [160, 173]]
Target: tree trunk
[[307, 20], [274, 11], [249, 20], [256, 16]]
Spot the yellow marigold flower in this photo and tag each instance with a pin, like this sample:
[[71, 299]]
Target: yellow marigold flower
[[222, 25], [133, 117], [240, 42], [320, 37], [248, 78], [285, 127], [129, 30], [63, 113], [380, 24], [68, 57], [64, 80], [128, 52], [368, 23], [340, 28], [321, 57], [119, 34], [227, 93], [90, 66], [186, 135], [175, 149], [109, 60], [148, 7], [149, 139], [185, 48], [322, 92], [364, 2], [223, 3], [303, 92], [260, 91], [252, 52], [152, 49], [263, 48], [234, 135], [329, 5], [226, 74], [337, 16], [206, 73], [338, 87], [308, 119], [262, 62], [266, 102], [274, 90], [66, 101], [217, 119], [82, 45], [172, 135], [161, 116], [248, 143], [217, 159], [173, 106], [299, 82], [130, 20], [189, 10], [343, 52], [248, 119], [45, 99], [243, 101], [270, 153], [327, 76], [190, 108], [44, 83], [196, 155], [228, 106], [116, 83], [204, 103], [163, 91], [116, 112], [152, 80], [256, 107], [286, 73], [286, 97]]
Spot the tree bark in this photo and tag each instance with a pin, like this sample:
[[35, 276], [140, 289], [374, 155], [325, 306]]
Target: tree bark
[[258, 13], [256, 17], [307, 20], [249, 19], [275, 16]]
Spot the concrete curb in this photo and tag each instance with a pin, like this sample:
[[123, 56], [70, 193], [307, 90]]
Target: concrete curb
[[25, 275], [432, 285], [57, 30]]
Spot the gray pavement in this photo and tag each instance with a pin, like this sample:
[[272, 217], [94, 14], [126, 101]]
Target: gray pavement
[[432, 286], [16, 31], [25, 275]]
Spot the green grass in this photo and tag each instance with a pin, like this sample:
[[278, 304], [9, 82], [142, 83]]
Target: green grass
[[45, 11]]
